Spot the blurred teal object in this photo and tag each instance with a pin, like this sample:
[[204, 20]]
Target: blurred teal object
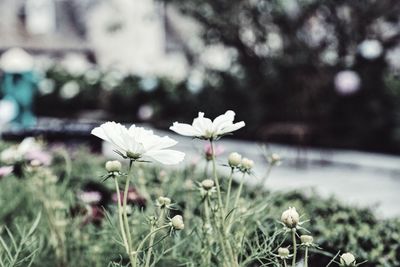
[[21, 89], [19, 85]]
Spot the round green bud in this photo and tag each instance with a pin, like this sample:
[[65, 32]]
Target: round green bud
[[113, 166], [306, 239], [290, 218], [177, 222], [283, 253], [347, 260], [207, 184], [247, 164], [234, 159], [164, 201]]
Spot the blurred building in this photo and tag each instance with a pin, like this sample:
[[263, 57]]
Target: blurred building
[[143, 37], [44, 26]]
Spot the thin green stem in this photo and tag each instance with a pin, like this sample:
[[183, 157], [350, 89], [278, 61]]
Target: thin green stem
[[120, 219], [206, 168], [266, 176], [239, 191], [157, 223], [228, 193], [221, 210], [144, 241], [306, 257], [236, 203], [294, 247], [221, 207], [206, 229], [284, 263], [219, 232], [125, 212]]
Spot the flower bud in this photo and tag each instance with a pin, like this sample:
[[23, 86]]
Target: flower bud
[[247, 163], [163, 201], [234, 159], [283, 253], [347, 260], [177, 222], [306, 239], [207, 184], [290, 217], [275, 159], [113, 166]]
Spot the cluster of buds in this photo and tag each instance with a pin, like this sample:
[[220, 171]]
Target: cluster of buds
[[177, 222], [163, 202], [236, 161], [291, 220]]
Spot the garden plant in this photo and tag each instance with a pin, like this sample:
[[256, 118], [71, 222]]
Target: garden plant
[[66, 207]]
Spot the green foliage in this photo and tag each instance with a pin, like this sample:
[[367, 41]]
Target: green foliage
[[18, 249], [84, 242]]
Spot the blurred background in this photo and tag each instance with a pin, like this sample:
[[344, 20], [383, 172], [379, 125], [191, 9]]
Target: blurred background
[[321, 73], [304, 73]]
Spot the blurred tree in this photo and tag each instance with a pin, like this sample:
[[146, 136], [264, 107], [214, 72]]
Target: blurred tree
[[283, 75]]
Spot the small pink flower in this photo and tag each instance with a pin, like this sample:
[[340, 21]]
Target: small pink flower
[[134, 197], [39, 156], [6, 170], [218, 150]]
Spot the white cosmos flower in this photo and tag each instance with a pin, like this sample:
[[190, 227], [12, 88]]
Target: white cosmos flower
[[204, 128], [138, 143]]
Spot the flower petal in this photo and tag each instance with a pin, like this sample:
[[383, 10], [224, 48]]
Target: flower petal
[[166, 156], [112, 132], [223, 121], [232, 127], [202, 125], [184, 129], [161, 143]]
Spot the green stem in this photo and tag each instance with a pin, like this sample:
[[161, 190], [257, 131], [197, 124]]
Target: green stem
[[284, 263], [228, 193], [265, 178], [294, 247], [306, 257], [141, 182], [144, 241], [207, 224], [120, 219], [125, 212], [239, 191], [206, 169], [55, 231], [221, 207], [160, 218], [221, 212], [236, 202], [219, 233]]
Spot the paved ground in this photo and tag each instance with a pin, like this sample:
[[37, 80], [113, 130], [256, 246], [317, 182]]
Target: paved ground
[[364, 179]]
